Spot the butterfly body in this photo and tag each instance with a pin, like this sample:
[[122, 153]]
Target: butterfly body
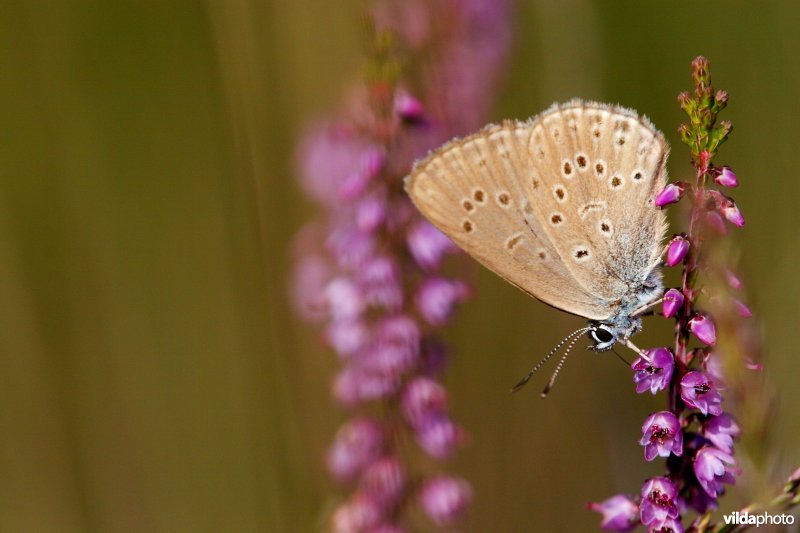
[[560, 206]]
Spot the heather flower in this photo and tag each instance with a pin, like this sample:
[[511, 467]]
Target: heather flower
[[359, 382], [732, 214], [371, 164], [396, 346], [733, 280], [620, 513], [715, 221], [699, 392], [362, 513], [344, 299], [347, 337], [350, 247], [311, 274], [726, 177], [659, 502], [357, 444], [673, 301], [422, 398], [677, 250], [742, 308], [373, 270], [661, 436], [695, 436], [712, 364], [388, 528], [370, 214], [721, 430], [670, 525], [713, 467], [437, 298], [380, 282], [408, 107], [444, 499], [428, 245], [385, 482], [671, 194], [653, 375], [330, 155], [703, 328], [439, 436]]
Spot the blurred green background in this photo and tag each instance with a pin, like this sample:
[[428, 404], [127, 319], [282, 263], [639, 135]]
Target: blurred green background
[[153, 377]]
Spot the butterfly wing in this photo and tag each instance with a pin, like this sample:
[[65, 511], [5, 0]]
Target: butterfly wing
[[479, 191], [600, 167], [560, 206]]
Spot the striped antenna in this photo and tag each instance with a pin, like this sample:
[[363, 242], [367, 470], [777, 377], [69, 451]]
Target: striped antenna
[[550, 383], [572, 336]]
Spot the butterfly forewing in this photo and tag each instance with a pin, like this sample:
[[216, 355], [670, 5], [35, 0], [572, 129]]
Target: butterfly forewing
[[478, 191], [560, 206]]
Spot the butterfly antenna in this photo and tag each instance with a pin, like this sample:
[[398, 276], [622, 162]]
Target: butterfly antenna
[[536, 368], [560, 364]]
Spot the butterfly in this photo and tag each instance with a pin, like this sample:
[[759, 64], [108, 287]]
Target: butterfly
[[562, 207]]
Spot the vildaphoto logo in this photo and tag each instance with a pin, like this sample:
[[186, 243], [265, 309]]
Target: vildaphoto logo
[[744, 518]]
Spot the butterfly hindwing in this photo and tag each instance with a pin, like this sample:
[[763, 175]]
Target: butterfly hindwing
[[610, 164]]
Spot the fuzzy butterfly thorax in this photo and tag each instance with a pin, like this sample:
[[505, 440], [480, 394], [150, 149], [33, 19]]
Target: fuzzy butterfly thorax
[[560, 206]]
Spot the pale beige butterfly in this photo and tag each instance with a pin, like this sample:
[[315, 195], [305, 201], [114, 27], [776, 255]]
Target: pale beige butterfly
[[560, 206]]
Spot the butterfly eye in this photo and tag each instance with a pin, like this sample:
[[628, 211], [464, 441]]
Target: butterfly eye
[[602, 337]]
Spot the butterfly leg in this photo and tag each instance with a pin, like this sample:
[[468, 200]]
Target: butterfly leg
[[640, 311]]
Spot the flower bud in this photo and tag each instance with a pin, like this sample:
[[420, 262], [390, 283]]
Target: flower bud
[[445, 499], [422, 398], [732, 214], [362, 513], [370, 214], [726, 177], [671, 194], [439, 436], [437, 299], [409, 108], [715, 222], [357, 444], [733, 280], [685, 101], [753, 365], [742, 309], [619, 513], [700, 72], [703, 328], [673, 300], [384, 481], [372, 163], [678, 248]]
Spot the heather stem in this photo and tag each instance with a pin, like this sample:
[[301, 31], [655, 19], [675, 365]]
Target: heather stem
[[371, 270]]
